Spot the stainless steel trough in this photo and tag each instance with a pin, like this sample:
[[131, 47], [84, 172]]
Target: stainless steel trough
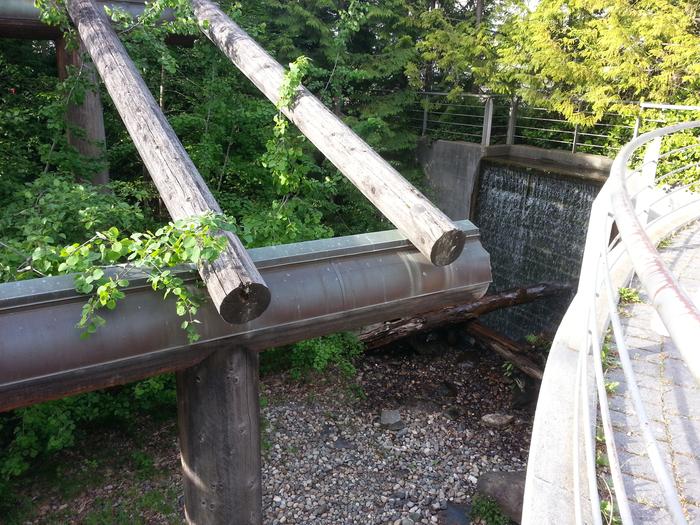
[[21, 19], [318, 287]]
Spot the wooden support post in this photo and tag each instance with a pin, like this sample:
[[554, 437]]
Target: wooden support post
[[219, 426], [234, 284], [429, 229], [89, 115], [512, 121], [488, 122]]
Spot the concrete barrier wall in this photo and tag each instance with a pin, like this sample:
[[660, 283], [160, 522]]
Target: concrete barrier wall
[[451, 170]]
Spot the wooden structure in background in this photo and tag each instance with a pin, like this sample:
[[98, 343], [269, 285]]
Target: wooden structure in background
[[88, 116]]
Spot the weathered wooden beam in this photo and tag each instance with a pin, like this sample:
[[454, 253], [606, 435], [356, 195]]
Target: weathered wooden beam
[[87, 116], [381, 334], [22, 19], [430, 230], [219, 427], [234, 284], [506, 348]]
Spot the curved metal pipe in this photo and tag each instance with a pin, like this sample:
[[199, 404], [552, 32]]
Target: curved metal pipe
[[21, 19], [318, 287], [680, 316]]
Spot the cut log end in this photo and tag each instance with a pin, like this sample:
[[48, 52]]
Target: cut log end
[[245, 303], [447, 248]]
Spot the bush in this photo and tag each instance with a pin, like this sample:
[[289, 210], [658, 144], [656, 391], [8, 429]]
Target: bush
[[53, 211], [488, 511], [337, 351], [36, 432]]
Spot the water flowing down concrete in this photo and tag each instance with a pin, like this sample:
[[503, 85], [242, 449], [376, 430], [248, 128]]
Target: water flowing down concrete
[[533, 223]]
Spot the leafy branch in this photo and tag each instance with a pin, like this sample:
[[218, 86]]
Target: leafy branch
[[193, 240], [284, 155]]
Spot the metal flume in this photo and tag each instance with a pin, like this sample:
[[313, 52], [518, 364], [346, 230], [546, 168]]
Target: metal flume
[[318, 287]]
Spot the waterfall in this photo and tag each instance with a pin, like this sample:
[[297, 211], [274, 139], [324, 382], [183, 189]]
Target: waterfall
[[533, 223]]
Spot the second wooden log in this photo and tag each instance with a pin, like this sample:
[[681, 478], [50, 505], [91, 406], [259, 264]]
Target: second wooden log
[[233, 281], [382, 334], [429, 229]]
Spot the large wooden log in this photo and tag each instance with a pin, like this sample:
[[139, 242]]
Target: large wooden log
[[381, 334], [430, 230], [87, 116], [219, 427], [233, 282]]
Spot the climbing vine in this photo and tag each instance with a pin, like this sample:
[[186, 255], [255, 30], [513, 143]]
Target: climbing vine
[[152, 254], [284, 155]]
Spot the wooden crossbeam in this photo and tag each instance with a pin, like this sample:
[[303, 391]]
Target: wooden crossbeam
[[430, 230], [233, 282]]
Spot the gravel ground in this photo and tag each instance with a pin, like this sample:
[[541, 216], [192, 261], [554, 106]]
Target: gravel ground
[[330, 460], [327, 458]]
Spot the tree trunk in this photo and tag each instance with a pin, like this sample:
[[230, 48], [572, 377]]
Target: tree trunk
[[234, 283], [89, 115], [382, 334], [479, 12]]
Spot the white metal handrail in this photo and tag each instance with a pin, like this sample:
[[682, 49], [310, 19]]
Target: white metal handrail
[[645, 209], [676, 310]]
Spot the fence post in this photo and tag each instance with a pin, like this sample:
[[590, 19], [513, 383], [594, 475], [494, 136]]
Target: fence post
[[646, 180], [512, 121], [218, 413], [575, 143], [424, 130], [488, 120], [637, 124]]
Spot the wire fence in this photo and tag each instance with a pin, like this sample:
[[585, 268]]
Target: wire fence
[[496, 119]]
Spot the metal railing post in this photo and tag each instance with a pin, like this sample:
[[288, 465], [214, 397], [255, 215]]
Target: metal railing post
[[646, 179], [575, 143], [637, 123], [512, 121], [488, 120], [424, 129]]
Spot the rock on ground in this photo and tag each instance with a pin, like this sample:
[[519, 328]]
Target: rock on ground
[[506, 489]]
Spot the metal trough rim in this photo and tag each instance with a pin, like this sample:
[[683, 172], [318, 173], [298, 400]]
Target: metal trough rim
[[62, 287]]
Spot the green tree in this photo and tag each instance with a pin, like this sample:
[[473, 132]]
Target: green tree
[[575, 56]]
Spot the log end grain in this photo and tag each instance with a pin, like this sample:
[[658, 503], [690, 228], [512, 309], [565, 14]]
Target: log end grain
[[245, 303], [447, 247]]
